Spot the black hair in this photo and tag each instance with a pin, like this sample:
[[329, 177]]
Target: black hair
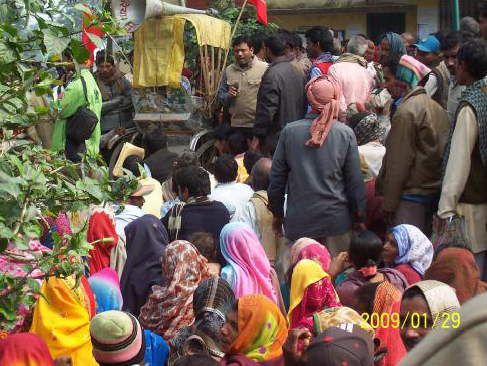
[[104, 56], [473, 55], [277, 44], [322, 36], [260, 177], [392, 63], [365, 295], [250, 158], [205, 243], [440, 36], [412, 292], [222, 132], [155, 141], [188, 157], [196, 360], [237, 143], [364, 36], [242, 39], [234, 306], [365, 249], [289, 37], [195, 179], [298, 41], [226, 169], [132, 163], [451, 40], [258, 41]]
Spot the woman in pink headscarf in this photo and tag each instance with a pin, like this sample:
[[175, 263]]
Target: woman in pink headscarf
[[306, 248], [248, 270], [324, 98]]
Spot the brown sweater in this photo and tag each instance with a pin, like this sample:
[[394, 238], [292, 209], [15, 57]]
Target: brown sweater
[[414, 150]]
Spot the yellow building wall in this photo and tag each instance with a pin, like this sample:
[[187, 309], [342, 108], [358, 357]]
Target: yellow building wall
[[342, 21]]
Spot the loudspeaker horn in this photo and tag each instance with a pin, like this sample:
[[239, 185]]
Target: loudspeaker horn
[[131, 13]]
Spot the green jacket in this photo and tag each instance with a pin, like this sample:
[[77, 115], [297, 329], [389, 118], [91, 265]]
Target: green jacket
[[72, 99]]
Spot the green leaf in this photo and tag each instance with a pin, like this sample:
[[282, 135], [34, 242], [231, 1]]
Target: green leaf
[[80, 53], [7, 53], [55, 44], [96, 40], [83, 8], [32, 230]]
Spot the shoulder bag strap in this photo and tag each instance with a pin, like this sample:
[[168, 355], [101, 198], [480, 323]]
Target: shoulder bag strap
[[84, 90]]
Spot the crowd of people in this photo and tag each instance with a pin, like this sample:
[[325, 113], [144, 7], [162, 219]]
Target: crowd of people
[[344, 221]]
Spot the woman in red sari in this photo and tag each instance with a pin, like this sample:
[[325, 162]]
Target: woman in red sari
[[101, 232]]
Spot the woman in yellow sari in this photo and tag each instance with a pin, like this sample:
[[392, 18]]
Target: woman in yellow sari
[[62, 318]]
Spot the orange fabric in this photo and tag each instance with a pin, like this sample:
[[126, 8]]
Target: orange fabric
[[324, 95], [388, 300], [262, 329]]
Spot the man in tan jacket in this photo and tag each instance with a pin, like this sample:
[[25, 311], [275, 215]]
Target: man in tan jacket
[[240, 84], [410, 176]]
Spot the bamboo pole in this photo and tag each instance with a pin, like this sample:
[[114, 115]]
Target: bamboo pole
[[230, 42]]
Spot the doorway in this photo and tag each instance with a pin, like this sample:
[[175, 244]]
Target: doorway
[[380, 23]]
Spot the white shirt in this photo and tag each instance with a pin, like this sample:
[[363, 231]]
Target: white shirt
[[232, 195], [373, 153], [129, 214]]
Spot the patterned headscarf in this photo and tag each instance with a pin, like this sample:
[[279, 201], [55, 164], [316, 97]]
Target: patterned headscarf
[[306, 248], [261, 329], [411, 71], [368, 129], [248, 268], [213, 295], [24, 349], [414, 247], [440, 297], [388, 301], [311, 291], [324, 95], [333, 317], [170, 307], [398, 49]]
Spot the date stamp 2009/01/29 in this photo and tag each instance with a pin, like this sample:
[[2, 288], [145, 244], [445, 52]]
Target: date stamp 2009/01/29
[[414, 320]]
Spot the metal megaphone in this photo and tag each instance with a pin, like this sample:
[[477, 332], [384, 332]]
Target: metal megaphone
[[131, 13]]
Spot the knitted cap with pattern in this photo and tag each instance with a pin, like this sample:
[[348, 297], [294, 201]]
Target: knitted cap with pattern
[[117, 338]]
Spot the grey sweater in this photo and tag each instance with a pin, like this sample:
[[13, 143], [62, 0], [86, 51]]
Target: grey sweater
[[325, 185]]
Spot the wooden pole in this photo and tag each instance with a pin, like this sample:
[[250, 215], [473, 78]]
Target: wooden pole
[[228, 49]]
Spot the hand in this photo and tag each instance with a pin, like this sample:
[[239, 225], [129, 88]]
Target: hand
[[294, 348], [388, 217], [232, 92], [386, 110], [338, 264], [63, 361], [277, 223]]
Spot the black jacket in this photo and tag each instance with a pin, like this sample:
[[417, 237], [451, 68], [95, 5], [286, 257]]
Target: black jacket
[[160, 164], [280, 98]]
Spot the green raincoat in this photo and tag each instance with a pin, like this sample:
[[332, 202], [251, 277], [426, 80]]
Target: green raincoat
[[72, 99]]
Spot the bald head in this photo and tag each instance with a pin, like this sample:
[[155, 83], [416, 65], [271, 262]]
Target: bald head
[[260, 174], [409, 39]]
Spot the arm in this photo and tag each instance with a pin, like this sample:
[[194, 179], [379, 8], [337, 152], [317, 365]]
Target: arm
[[278, 178], [458, 168], [223, 91], [127, 95], [354, 182], [315, 72], [431, 85], [398, 160], [267, 104]]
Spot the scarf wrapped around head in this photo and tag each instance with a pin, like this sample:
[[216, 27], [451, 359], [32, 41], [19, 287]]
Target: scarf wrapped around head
[[261, 329], [14, 351], [411, 71], [324, 95], [368, 129], [306, 248], [414, 247], [441, 299], [170, 307], [398, 49], [248, 268], [388, 301], [106, 288], [311, 291]]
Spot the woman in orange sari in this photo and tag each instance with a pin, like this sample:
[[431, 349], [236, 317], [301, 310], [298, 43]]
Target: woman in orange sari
[[254, 333]]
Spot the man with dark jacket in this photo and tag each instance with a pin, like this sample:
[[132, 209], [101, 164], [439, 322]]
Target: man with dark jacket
[[281, 94], [410, 176]]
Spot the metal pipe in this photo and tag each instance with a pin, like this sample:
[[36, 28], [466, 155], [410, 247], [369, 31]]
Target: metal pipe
[[455, 15]]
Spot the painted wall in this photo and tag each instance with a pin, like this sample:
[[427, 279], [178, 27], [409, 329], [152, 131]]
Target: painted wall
[[342, 21]]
